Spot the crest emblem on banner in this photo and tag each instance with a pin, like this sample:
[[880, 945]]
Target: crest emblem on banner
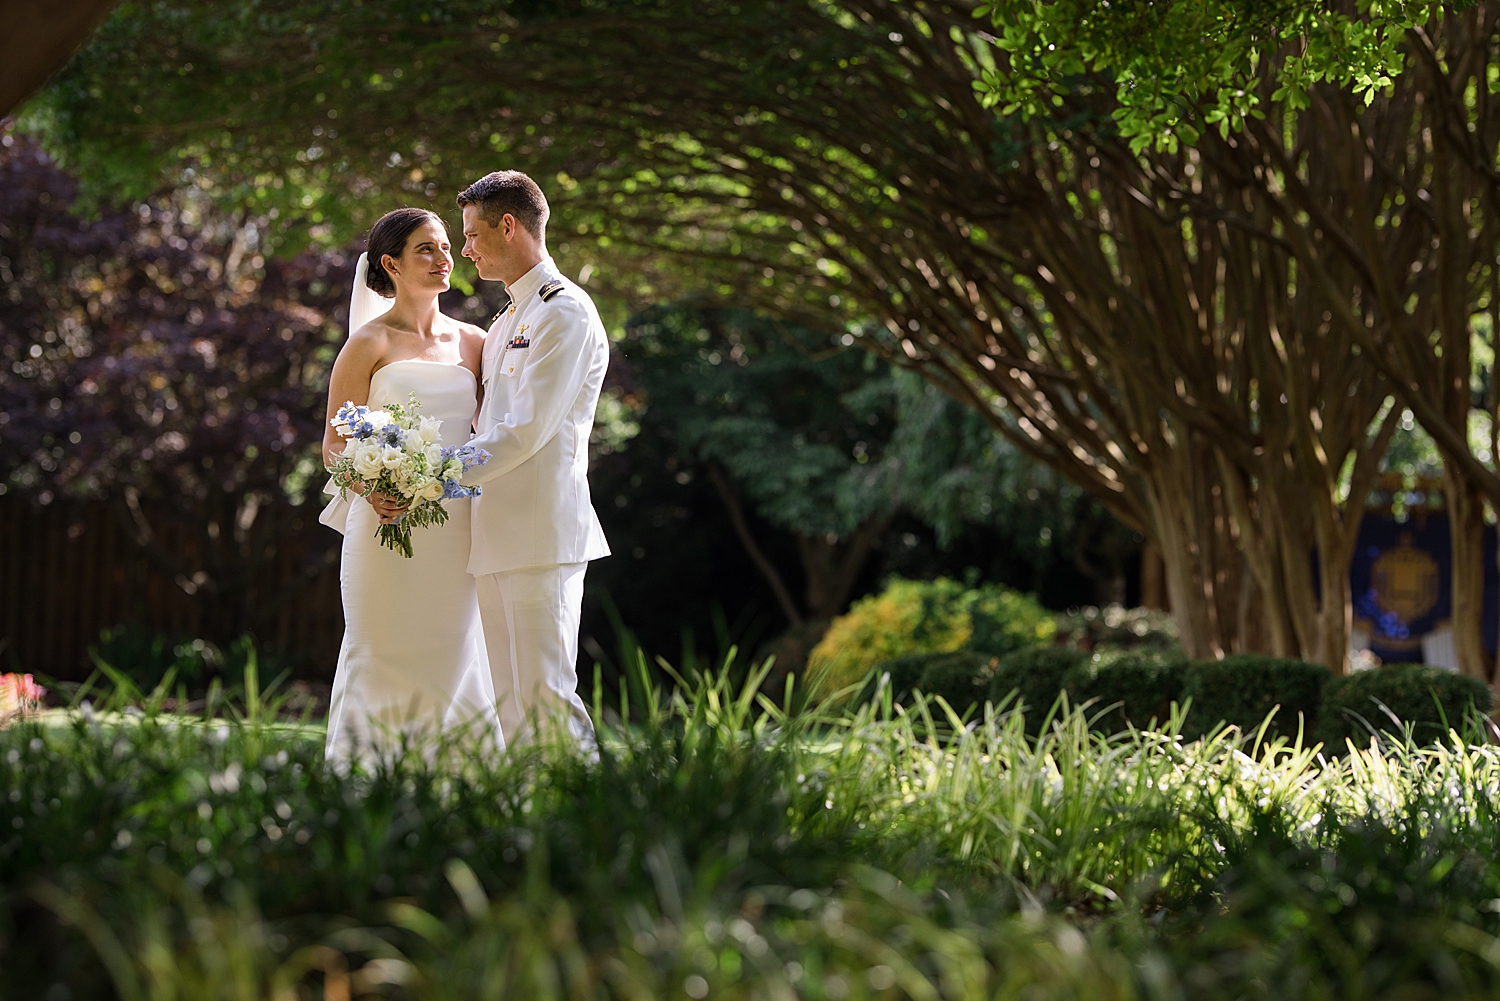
[[1406, 581]]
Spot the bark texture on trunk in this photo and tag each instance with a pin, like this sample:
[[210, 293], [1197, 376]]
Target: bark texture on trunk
[[1466, 527], [37, 37]]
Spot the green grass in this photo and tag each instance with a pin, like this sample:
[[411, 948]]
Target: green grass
[[729, 845]]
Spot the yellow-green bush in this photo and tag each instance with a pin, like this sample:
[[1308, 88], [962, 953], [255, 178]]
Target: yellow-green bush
[[939, 616]]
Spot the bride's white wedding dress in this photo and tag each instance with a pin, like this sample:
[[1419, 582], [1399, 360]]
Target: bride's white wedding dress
[[413, 657]]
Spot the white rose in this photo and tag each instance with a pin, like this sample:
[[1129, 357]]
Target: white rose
[[452, 469], [367, 461], [428, 428], [391, 457], [431, 490], [434, 454], [379, 418]]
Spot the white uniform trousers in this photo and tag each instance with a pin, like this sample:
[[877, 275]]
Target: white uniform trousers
[[530, 619]]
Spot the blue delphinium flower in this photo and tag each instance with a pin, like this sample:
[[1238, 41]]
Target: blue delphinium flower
[[471, 456], [452, 489]]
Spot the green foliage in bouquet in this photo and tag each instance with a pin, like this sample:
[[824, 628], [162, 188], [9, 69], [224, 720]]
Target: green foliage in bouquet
[[939, 616]]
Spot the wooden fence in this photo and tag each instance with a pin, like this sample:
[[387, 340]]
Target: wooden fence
[[68, 571]]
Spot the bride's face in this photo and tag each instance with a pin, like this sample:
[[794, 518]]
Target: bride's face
[[426, 262]]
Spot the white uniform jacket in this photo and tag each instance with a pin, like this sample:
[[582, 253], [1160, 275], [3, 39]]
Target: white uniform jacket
[[544, 362]]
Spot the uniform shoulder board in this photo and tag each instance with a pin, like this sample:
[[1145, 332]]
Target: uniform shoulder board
[[549, 289]]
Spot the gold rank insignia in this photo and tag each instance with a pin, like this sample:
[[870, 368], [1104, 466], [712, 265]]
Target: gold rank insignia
[[509, 305]]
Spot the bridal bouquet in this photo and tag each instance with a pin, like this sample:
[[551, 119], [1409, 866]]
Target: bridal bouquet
[[396, 451]]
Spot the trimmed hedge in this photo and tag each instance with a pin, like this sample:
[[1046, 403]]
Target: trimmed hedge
[[1037, 676], [1145, 687], [1242, 688], [1431, 700], [961, 677]]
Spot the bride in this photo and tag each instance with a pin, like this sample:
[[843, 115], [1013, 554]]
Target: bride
[[413, 657]]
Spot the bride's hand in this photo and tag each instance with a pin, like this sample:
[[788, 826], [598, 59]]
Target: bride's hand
[[387, 507]]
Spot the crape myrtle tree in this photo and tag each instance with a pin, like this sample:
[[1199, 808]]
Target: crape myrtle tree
[[1393, 108], [1141, 318], [152, 358]]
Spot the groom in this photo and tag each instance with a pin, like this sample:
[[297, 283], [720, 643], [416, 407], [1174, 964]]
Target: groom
[[534, 528]]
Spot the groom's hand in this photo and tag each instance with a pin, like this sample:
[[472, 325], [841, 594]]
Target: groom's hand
[[387, 507]]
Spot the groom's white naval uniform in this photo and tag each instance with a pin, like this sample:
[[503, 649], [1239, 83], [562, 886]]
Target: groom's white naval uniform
[[534, 527]]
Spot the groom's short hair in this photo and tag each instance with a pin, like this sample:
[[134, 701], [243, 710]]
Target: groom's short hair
[[510, 191]]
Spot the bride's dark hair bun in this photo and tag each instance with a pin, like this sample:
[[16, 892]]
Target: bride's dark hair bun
[[388, 236]]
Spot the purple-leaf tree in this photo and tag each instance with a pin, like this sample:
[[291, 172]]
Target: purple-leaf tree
[[150, 357]]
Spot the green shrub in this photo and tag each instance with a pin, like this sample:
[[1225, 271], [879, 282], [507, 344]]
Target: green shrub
[[1118, 627], [1004, 621], [145, 657], [962, 677], [939, 616], [1429, 699], [1037, 676], [1145, 686], [1243, 688]]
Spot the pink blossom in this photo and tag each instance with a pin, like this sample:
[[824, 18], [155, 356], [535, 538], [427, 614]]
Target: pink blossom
[[19, 693]]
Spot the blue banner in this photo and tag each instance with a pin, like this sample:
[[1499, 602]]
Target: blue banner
[[1401, 581]]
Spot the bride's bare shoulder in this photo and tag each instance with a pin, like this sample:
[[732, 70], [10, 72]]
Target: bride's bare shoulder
[[374, 331]]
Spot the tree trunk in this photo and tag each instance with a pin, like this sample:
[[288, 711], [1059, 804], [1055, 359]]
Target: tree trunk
[[1153, 578], [1181, 525], [1466, 537], [37, 37], [731, 499], [832, 565]]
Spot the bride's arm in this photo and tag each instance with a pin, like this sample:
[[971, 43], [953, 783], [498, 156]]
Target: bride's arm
[[350, 383]]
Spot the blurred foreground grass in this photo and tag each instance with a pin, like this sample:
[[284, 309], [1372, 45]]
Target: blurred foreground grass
[[727, 844]]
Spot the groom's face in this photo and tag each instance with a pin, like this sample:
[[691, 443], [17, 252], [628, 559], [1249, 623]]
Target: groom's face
[[484, 244]]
